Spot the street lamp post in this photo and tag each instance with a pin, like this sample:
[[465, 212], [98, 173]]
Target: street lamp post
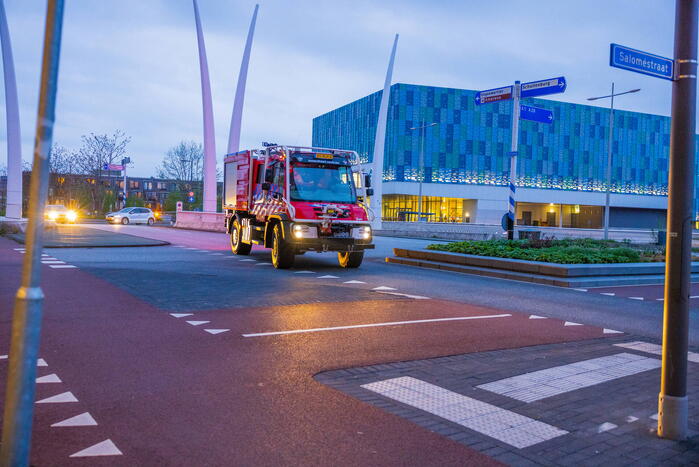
[[421, 164], [609, 153]]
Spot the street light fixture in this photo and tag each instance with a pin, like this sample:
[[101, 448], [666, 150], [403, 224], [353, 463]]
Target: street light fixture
[[421, 164], [609, 152]]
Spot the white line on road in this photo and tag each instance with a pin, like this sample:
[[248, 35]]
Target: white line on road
[[504, 425], [416, 297], [328, 276], [52, 378], [59, 398], [383, 287], [581, 290], [354, 282], [654, 349], [84, 419], [636, 298], [536, 317], [105, 448], [694, 296], [248, 259], [304, 272], [610, 331], [62, 266], [216, 331], [392, 323], [609, 294], [197, 323], [181, 315], [53, 262], [570, 323]]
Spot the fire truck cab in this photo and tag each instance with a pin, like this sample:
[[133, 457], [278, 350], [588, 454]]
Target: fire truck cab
[[297, 199]]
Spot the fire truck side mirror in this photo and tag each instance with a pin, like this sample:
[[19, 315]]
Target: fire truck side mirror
[[266, 186], [370, 192], [367, 180]]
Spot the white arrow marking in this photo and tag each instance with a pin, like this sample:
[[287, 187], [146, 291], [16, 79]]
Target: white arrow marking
[[383, 287], [537, 317], [354, 282], [570, 323], [216, 331], [105, 448], [58, 399], [181, 315], [328, 277], [197, 323], [611, 331], [52, 378], [84, 419]]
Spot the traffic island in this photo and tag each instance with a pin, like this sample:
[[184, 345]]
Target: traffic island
[[562, 275], [72, 236]]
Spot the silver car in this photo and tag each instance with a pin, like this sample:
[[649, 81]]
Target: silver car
[[131, 216]]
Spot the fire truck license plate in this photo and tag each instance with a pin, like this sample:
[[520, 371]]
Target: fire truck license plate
[[321, 155], [341, 234]]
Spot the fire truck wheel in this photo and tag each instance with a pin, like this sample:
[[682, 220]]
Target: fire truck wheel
[[282, 252], [350, 259], [238, 247]]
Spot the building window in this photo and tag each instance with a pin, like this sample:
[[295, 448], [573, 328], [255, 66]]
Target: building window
[[404, 208]]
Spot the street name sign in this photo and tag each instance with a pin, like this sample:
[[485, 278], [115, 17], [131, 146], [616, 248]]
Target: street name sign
[[645, 63], [543, 87], [493, 95], [112, 167], [535, 114]]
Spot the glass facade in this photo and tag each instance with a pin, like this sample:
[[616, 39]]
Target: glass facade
[[434, 208], [470, 144]]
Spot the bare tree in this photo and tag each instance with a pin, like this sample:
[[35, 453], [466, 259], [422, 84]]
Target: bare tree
[[184, 163], [94, 152]]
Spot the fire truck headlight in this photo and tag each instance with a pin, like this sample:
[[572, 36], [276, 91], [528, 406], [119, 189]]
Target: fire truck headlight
[[362, 233], [304, 231]]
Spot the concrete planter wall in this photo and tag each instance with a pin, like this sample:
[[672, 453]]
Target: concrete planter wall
[[194, 220]]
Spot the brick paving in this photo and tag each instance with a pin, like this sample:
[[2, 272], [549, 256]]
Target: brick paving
[[629, 402]]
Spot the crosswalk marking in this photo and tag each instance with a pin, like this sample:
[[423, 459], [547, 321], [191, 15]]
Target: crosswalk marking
[[104, 448]]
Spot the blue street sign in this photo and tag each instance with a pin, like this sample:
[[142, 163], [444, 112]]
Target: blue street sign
[[543, 87], [630, 59], [493, 95], [190, 199], [535, 114], [105, 167]]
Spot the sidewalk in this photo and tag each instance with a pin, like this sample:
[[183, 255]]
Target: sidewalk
[[591, 402]]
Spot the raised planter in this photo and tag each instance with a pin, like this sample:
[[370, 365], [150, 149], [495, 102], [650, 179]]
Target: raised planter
[[563, 275], [196, 220]]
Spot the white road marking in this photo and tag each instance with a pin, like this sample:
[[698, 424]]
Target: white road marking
[[660, 299], [105, 448], [216, 331], [248, 259], [383, 287], [416, 297], [197, 323], [606, 426], [530, 387], [506, 426], [18, 249], [190, 248], [53, 262], [178, 246], [44, 254], [41, 362], [327, 277], [263, 264], [62, 266], [631, 419], [3, 357], [216, 254], [581, 290], [610, 331], [354, 282], [654, 349], [52, 378], [59, 399], [654, 417], [636, 298], [181, 315], [610, 294], [304, 272], [84, 419], [694, 296], [536, 317], [570, 323], [355, 326]]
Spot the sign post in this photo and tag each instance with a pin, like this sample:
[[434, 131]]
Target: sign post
[[516, 92]]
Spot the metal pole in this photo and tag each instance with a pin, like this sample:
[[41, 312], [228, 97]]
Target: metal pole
[[421, 164], [609, 166], [26, 320], [123, 163], [672, 400], [513, 160]]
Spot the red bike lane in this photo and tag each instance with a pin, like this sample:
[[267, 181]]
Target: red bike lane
[[164, 391]]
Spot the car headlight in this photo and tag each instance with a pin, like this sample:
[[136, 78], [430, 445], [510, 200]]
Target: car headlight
[[71, 215], [304, 231], [53, 215], [362, 232]]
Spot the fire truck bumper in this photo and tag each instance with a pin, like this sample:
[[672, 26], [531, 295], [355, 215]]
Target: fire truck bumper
[[331, 244]]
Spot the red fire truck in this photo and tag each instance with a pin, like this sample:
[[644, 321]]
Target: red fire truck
[[297, 199]]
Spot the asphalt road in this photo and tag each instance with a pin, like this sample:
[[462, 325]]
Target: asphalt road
[[186, 354]]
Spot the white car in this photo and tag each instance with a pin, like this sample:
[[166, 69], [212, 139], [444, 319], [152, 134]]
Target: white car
[[131, 216]]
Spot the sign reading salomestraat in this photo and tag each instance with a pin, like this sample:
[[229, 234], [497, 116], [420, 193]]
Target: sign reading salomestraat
[[543, 87], [641, 62], [493, 95]]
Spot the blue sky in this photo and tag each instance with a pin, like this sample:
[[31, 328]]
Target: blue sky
[[132, 64]]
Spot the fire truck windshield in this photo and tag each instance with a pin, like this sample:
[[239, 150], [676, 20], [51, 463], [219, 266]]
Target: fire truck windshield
[[322, 183]]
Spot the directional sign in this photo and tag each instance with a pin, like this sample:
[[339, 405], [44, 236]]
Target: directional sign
[[112, 167], [630, 59], [535, 114], [493, 95], [190, 199], [543, 87]]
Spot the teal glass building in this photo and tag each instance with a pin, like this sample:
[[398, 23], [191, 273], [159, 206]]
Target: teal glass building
[[563, 163]]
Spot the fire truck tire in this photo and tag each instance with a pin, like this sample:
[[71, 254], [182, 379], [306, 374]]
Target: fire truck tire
[[282, 252], [238, 247], [350, 259]]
